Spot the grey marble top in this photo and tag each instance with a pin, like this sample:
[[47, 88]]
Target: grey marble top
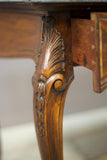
[[53, 1]]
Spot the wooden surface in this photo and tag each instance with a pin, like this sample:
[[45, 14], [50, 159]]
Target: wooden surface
[[51, 80], [100, 72], [103, 51], [53, 1], [83, 42], [20, 34], [77, 7], [54, 41]]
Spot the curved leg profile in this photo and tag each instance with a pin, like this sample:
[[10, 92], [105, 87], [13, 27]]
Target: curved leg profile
[[51, 80]]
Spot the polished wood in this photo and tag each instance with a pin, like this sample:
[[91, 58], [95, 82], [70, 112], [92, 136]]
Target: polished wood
[[100, 71], [83, 42], [20, 34], [77, 7], [51, 80], [57, 37]]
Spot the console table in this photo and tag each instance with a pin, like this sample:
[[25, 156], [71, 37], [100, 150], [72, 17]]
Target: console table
[[58, 37]]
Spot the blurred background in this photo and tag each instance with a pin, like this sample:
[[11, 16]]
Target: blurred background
[[85, 115]]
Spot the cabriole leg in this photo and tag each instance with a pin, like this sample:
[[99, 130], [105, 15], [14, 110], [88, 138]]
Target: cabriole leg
[[51, 80]]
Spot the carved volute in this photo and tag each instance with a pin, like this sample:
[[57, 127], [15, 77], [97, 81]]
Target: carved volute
[[51, 80]]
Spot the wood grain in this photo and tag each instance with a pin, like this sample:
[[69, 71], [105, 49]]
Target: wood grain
[[51, 81], [54, 42], [20, 34], [83, 42], [100, 71], [103, 47], [78, 7]]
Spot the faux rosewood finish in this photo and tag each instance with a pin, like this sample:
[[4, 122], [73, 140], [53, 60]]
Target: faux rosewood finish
[[51, 80], [100, 71]]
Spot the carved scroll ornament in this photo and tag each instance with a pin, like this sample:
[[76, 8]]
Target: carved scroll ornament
[[50, 75]]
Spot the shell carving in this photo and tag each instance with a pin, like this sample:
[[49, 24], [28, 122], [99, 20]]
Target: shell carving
[[52, 68], [54, 61]]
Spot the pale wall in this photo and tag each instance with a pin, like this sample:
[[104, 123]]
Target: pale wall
[[16, 92]]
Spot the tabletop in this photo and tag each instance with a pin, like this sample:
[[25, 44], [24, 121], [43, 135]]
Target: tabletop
[[53, 1]]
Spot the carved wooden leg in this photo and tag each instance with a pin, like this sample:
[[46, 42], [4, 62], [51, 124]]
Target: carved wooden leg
[[51, 80]]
